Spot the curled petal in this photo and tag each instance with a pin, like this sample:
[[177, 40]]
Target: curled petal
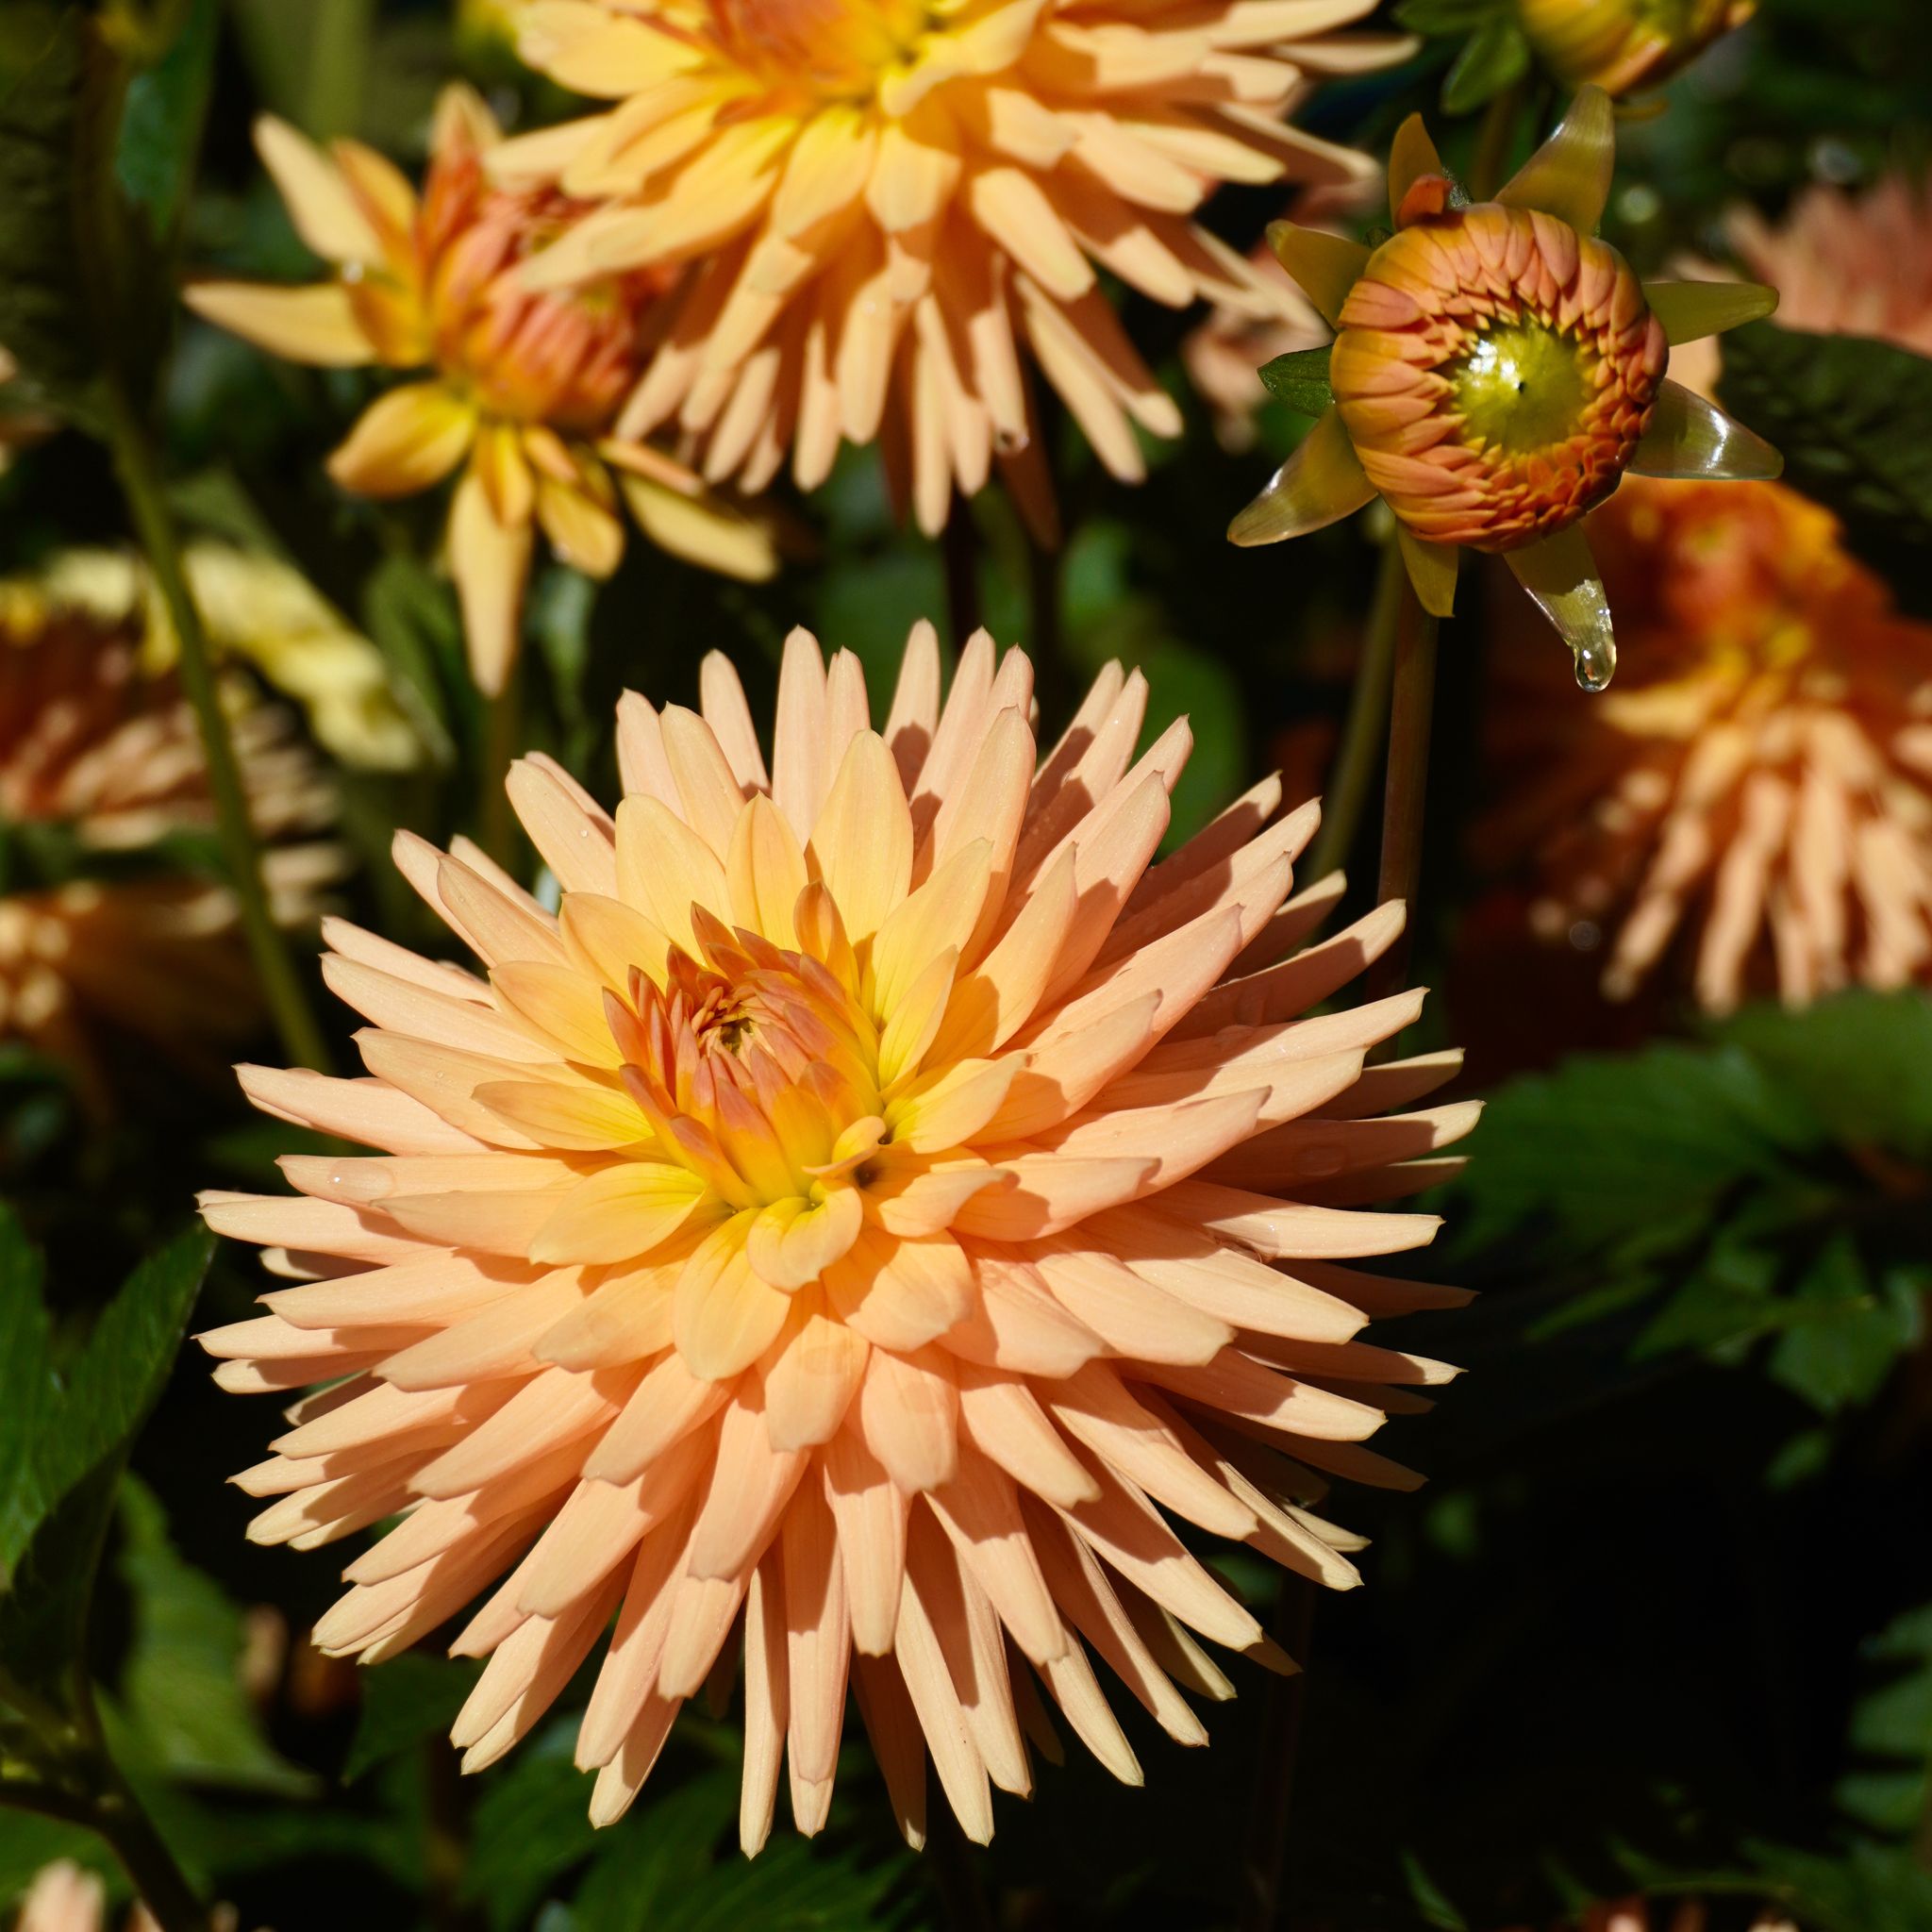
[[1320, 483], [1412, 156], [1691, 438], [1690, 311], [1569, 177]]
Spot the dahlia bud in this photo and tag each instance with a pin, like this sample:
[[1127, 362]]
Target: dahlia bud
[[1496, 373], [1625, 44]]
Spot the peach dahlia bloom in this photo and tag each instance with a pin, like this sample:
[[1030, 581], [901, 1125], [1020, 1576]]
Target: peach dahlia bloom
[[873, 205], [1497, 369], [100, 761], [842, 1235], [64, 1897], [1625, 44], [1761, 787], [1679, 1915], [523, 390]]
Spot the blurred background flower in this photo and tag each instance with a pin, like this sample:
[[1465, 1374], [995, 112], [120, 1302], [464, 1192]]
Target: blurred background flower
[[1623, 45], [1758, 792], [115, 942], [525, 386]]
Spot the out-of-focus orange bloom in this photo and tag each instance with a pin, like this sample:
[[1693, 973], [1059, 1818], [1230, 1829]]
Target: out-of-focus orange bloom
[[1758, 790], [1625, 44]]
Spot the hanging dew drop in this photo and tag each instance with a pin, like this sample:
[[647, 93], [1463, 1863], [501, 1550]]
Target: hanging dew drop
[[1596, 662]]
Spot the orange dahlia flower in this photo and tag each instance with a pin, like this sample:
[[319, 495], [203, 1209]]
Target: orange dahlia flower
[[525, 387], [1761, 787], [1497, 371], [873, 203], [844, 1232], [1625, 44], [100, 933], [1681, 1915]]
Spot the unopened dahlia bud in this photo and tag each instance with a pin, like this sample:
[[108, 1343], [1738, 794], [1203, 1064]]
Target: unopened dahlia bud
[[1625, 44], [1497, 371]]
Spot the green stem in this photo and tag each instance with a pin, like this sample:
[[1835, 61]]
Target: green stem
[[1412, 712], [337, 58], [1494, 140], [121, 1819], [275, 964], [1361, 734]]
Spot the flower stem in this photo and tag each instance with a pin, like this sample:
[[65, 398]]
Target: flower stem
[[121, 1819], [496, 821], [274, 965], [1292, 1627], [1406, 791], [1361, 734], [1495, 139]]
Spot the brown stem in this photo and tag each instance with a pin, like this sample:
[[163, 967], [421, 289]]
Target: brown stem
[[1281, 1730], [1361, 735]]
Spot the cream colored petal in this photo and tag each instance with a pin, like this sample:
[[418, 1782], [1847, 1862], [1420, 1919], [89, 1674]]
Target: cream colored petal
[[309, 325]]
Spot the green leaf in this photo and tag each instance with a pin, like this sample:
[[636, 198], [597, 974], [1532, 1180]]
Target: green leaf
[[1495, 55], [88, 1409], [1847, 1331], [26, 1390], [1860, 1061], [1300, 379], [1431, 1903], [162, 125], [183, 1708], [410, 1700], [1446, 16], [1849, 415], [532, 1825], [1890, 1782]]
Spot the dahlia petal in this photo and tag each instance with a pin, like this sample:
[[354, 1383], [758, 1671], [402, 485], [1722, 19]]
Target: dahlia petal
[[936, 1703], [1234, 1384], [892, 1728], [1412, 156], [1045, 1192], [404, 442], [555, 1114], [751, 1480], [900, 1294], [621, 1779], [1327, 267], [1077, 1692], [907, 1413], [328, 1227], [1121, 1525], [365, 1111], [712, 800], [1569, 177], [813, 1372], [325, 212], [667, 1405], [502, 926], [818, 1637], [552, 1406], [664, 870], [315, 325], [869, 1512], [1691, 438], [610, 938], [626, 1317], [938, 917], [767, 1701], [530, 1668], [618, 1214], [766, 871], [497, 1340], [1004, 1420], [1128, 1313], [1081, 1587], [725, 1316], [560, 1006], [1320, 483]]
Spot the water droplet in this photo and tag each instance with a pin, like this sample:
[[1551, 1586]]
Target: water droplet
[[1596, 662]]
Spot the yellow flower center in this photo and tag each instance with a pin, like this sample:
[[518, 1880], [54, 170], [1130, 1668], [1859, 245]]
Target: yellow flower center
[[1521, 387]]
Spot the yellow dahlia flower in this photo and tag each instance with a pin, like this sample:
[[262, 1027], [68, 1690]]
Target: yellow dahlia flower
[[254, 609], [523, 388], [1625, 44], [1760, 788], [873, 203], [844, 1232], [100, 757], [1497, 370]]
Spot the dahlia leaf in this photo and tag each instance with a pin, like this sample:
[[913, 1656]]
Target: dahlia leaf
[[1494, 57], [180, 1696], [161, 123], [1848, 1328], [1891, 1735], [88, 1411], [1849, 413], [413, 1698], [1300, 379]]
